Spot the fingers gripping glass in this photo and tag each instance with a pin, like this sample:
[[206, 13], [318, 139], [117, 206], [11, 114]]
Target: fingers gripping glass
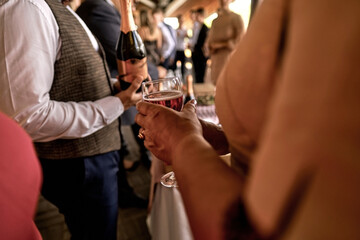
[[166, 92]]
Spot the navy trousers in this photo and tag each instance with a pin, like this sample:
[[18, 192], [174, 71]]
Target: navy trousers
[[86, 191]]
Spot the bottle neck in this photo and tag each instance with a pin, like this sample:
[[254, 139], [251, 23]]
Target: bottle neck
[[127, 19]]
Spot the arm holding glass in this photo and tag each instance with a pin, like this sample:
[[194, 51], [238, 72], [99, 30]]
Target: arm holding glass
[[181, 144]]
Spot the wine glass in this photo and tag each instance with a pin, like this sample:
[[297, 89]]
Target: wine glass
[[166, 92]]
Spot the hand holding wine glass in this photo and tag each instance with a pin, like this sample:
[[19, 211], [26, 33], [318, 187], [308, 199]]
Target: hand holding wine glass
[[164, 128]]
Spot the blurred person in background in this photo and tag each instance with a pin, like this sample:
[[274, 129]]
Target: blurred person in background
[[151, 35], [226, 30], [181, 34], [195, 29], [168, 39], [198, 54]]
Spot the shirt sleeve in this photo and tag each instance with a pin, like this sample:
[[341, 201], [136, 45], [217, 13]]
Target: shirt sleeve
[[196, 30], [26, 73]]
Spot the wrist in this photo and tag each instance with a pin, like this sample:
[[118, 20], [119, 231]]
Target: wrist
[[184, 147], [111, 107]]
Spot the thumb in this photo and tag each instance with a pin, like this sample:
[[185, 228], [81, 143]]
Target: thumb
[[135, 84], [190, 106]]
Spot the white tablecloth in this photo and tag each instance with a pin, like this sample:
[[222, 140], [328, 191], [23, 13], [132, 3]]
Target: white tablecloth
[[168, 220]]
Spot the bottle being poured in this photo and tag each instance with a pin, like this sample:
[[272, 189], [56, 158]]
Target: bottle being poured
[[130, 49]]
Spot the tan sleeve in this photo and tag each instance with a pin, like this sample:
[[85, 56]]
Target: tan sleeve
[[238, 26], [313, 126]]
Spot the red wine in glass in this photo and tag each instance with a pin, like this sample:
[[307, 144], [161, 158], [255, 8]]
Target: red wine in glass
[[168, 98]]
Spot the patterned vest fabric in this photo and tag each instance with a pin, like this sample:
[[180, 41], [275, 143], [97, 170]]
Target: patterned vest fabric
[[81, 74]]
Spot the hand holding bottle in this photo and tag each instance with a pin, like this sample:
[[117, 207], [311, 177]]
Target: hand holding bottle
[[129, 97]]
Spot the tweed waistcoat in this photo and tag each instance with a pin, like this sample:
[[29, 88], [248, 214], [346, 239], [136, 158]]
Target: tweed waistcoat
[[81, 74]]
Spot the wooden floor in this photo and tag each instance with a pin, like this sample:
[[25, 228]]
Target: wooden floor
[[131, 221]]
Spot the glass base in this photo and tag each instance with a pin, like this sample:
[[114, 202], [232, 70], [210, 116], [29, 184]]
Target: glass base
[[169, 180]]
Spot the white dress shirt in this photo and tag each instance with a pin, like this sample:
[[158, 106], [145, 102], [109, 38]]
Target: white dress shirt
[[29, 46], [168, 44], [181, 33], [195, 34]]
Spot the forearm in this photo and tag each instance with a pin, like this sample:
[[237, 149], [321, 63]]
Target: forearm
[[207, 184], [52, 120]]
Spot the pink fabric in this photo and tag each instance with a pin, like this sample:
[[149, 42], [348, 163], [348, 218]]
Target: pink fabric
[[20, 182], [207, 113]]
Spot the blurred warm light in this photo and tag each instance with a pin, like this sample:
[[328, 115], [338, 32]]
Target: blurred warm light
[[241, 7], [209, 19], [172, 21], [190, 32], [187, 53], [188, 65]]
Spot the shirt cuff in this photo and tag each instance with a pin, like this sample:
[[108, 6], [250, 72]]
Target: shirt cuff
[[112, 108]]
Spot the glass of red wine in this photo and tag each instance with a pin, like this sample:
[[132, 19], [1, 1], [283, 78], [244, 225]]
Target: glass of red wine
[[166, 92]]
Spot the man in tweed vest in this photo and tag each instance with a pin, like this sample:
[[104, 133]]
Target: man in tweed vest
[[54, 82]]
